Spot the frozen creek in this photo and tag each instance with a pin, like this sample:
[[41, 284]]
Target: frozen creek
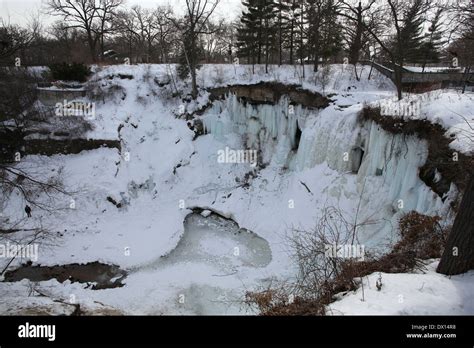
[[217, 242], [220, 243], [222, 252]]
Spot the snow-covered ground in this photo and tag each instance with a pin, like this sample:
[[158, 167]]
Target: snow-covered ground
[[205, 265], [448, 108], [420, 293]]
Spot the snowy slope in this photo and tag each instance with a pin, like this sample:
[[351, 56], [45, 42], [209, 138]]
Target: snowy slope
[[427, 293], [449, 108]]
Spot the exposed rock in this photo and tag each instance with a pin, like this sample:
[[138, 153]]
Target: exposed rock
[[51, 147], [271, 92]]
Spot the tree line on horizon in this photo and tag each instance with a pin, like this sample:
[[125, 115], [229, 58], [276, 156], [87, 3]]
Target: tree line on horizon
[[266, 32]]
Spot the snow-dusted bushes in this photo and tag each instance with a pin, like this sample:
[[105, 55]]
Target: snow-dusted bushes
[[99, 90], [424, 235], [70, 72], [218, 78], [323, 275]]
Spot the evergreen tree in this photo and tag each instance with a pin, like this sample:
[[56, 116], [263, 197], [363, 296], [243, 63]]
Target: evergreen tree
[[257, 32], [248, 35], [283, 8], [406, 19], [433, 40], [292, 25], [331, 31], [325, 39], [301, 34], [269, 32], [409, 41]]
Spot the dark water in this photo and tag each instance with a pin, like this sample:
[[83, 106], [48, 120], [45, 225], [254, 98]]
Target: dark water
[[102, 276]]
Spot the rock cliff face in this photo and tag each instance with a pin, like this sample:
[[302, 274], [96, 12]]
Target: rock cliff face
[[271, 93]]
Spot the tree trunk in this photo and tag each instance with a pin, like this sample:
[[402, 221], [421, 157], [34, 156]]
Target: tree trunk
[[398, 80], [102, 47], [259, 57], [468, 73], [192, 63], [280, 37], [266, 56], [130, 48], [194, 92], [150, 49], [91, 43], [280, 58], [458, 256], [356, 45], [316, 61], [356, 73], [291, 45]]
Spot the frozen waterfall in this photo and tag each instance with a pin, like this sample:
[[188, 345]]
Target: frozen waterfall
[[330, 136]]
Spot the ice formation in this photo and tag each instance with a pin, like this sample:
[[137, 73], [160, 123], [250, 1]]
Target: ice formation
[[384, 164], [270, 129]]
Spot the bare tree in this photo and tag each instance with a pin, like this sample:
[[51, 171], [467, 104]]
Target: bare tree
[[461, 24], [107, 10], [90, 16], [462, 13], [190, 28], [400, 26], [127, 26], [144, 31], [218, 42], [163, 30], [149, 28], [18, 110], [356, 35], [14, 38], [67, 41]]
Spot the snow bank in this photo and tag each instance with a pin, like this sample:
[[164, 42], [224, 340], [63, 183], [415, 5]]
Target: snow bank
[[428, 293], [451, 109]]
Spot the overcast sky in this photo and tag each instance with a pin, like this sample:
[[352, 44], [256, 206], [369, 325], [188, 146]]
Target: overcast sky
[[19, 11]]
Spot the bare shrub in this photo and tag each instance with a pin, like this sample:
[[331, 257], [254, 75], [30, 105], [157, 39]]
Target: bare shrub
[[30, 187], [422, 235], [310, 250], [18, 95], [99, 90], [280, 302], [147, 75], [218, 78], [323, 77], [321, 275], [76, 125]]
